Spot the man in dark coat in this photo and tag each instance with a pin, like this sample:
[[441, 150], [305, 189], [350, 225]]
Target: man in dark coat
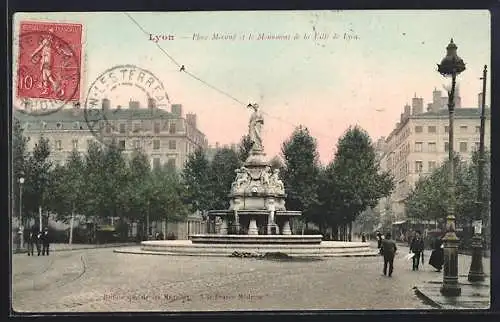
[[379, 239], [44, 238], [388, 250], [437, 256], [32, 240], [417, 248]]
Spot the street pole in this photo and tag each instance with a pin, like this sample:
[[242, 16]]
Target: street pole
[[40, 217], [451, 65], [21, 227], [476, 273], [71, 227]]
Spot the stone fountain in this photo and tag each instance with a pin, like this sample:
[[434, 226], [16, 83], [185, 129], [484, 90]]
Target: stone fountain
[[257, 220]]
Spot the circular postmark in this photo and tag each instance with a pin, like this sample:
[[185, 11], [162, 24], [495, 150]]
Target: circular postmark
[[105, 122], [48, 72]]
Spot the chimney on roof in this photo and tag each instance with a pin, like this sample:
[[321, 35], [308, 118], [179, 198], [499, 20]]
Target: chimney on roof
[[76, 109], [429, 107], [402, 117], [151, 103], [191, 119], [417, 105], [106, 103], [134, 105]]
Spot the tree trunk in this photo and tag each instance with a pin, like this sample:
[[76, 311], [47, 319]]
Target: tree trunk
[[350, 231], [71, 222]]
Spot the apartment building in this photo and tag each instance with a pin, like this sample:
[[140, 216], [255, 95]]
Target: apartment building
[[419, 144], [167, 137]]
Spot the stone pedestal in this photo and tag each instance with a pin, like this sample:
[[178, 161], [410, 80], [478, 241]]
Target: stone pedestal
[[286, 228], [450, 287], [476, 273], [223, 227], [252, 227]]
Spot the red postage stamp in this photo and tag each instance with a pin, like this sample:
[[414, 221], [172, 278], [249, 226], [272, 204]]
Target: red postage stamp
[[49, 61]]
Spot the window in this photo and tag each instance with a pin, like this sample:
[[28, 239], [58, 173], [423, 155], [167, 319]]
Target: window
[[171, 163], [431, 129], [432, 165], [108, 128], [463, 146], [463, 129], [58, 145], [75, 144], [121, 144], [122, 127], [137, 127], [432, 146], [76, 125], [172, 144], [172, 128], [156, 163], [476, 146], [418, 146], [446, 129], [156, 144], [446, 146], [59, 125], [418, 129], [137, 144], [419, 166], [478, 129], [157, 127]]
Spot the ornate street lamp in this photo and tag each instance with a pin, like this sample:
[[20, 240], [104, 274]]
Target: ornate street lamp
[[476, 273], [20, 231], [451, 65]]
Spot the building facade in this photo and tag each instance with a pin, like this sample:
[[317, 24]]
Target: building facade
[[166, 137], [419, 144]]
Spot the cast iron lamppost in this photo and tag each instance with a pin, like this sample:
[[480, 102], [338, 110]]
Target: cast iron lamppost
[[451, 65], [476, 273], [20, 231]]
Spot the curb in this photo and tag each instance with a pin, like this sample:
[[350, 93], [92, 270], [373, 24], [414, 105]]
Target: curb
[[141, 252], [95, 247], [426, 299]]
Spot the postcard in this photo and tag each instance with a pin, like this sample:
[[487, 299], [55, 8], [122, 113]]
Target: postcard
[[250, 160]]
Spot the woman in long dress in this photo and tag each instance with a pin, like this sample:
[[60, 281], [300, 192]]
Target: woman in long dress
[[437, 256]]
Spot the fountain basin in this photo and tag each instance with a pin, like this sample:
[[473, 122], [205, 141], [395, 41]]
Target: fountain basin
[[188, 248], [256, 239]]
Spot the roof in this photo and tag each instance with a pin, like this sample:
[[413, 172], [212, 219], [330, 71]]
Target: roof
[[460, 112], [69, 115]]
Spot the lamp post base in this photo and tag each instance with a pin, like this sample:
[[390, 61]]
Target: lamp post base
[[451, 290], [476, 273]]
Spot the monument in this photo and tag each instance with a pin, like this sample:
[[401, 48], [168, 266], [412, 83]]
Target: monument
[[257, 220], [257, 198]]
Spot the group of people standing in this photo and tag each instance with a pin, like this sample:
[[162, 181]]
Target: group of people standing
[[388, 249], [40, 240]]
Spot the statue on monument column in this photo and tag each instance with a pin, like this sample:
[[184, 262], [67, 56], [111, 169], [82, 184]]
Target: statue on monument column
[[255, 128], [241, 179]]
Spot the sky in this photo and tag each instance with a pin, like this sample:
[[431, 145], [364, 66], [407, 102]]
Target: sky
[[326, 85]]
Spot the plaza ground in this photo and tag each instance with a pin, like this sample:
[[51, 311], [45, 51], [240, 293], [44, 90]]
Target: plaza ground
[[93, 280]]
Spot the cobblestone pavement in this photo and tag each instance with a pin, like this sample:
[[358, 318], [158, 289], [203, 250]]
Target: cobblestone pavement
[[100, 280]]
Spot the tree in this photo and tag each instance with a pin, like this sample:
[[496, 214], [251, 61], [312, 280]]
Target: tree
[[222, 174], [139, 187], [357, 176], [196, 180], [244, 148], [19, 159], [276, 163], [300, 174], [94, 193], [65, 190], [37, 181]]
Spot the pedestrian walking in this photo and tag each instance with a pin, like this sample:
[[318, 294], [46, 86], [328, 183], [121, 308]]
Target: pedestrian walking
[[437, 256], [388, 250], [363, 238], [417, 247], [32, 240], [45, 240], [379, 239]]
